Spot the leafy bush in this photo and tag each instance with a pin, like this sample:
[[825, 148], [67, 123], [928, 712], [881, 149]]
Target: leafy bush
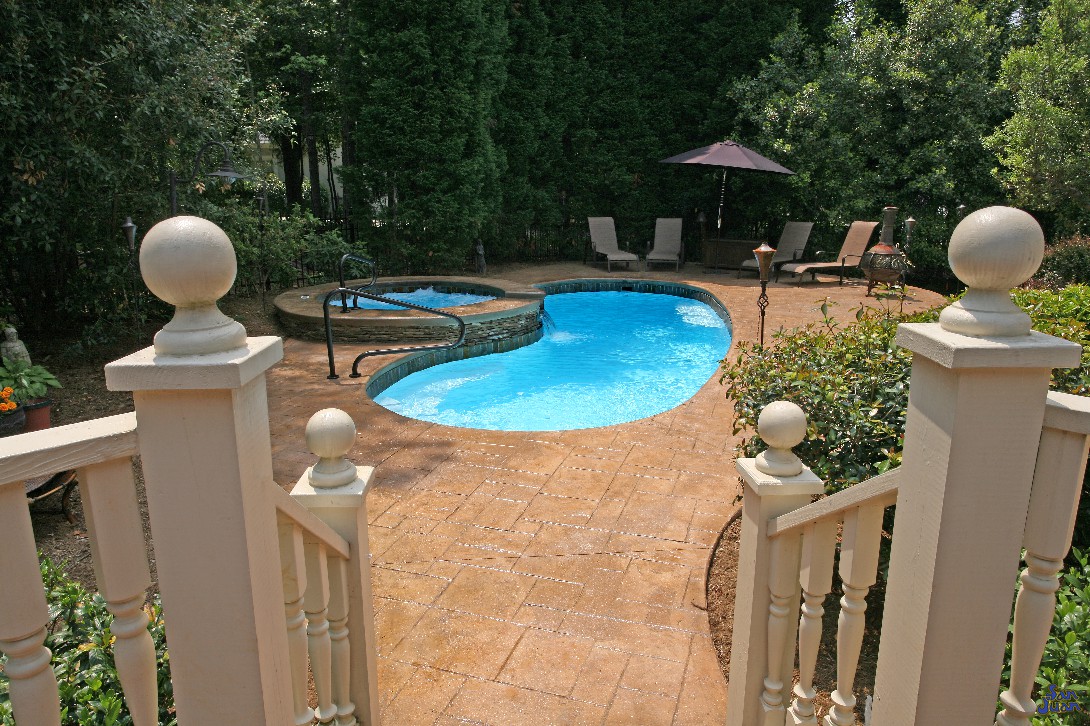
[[83, 661], [1066, 263], [852, 382], [273, 251]]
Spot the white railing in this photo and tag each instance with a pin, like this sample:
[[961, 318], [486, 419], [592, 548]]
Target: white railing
[[1053, 504], [257, 586], [812, 531], [102, 451], [993, 463]]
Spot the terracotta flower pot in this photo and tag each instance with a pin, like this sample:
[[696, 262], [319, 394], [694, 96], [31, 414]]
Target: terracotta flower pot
[[37, 414], [13, 422]]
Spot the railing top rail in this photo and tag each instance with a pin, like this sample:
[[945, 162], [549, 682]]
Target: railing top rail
[[40, 453], [312, 526], [1067, 412], [881, 489]]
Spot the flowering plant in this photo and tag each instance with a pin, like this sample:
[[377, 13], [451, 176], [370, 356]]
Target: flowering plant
[[6, 404]]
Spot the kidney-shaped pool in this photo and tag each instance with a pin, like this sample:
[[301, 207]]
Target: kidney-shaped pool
[[606, 358]]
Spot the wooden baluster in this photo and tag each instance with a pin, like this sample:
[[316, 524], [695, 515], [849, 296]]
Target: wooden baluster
[[782, 611], [816, 578], [858, 569], [316, 604], [118, 550], [23, 615], [338, 635], [293, 568], [1054, 499]]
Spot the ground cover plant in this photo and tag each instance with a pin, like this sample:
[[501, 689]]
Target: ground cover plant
[[80, 638]]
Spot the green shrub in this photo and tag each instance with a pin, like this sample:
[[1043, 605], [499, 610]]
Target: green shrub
[[1066, 263], [273, 250], [80, 638], [852, 382]]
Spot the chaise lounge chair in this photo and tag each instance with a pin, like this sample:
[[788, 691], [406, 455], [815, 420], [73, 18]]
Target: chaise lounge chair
[[855, 244], [667, 244], [790, 248], [603, 238]]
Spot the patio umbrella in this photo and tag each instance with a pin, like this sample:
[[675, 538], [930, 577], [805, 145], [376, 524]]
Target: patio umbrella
[[727, 154]]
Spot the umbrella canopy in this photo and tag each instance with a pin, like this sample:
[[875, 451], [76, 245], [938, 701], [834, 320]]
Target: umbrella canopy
[[727, 154]]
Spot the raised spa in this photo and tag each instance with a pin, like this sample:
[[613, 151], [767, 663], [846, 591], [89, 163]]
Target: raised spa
[[607, 358]]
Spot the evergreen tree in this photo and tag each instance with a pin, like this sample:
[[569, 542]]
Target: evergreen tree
[[425, 161]]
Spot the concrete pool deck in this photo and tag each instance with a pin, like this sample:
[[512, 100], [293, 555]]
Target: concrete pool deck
[[547, 577]]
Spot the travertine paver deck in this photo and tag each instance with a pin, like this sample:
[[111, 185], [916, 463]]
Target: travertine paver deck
[[545, 577]]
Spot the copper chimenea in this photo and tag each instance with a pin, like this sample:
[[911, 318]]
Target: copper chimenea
[[884, 262]]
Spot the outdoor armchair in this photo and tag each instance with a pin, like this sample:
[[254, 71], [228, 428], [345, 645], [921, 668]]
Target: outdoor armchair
[[789, 249], [603, 239], [851, 252], [667, 244]]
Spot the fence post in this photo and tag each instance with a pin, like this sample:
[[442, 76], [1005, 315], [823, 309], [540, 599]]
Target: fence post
[[335, 490], [775, 482], [976, 406], [204, 443]]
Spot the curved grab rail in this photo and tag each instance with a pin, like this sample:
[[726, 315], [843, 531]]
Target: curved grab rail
[[340, 276], [344, 291]]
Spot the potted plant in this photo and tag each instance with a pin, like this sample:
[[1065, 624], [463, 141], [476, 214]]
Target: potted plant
[[12, 415], [30, 385]]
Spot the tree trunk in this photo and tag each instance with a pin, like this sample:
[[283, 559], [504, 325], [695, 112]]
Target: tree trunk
[[292, 153], [315, 176]]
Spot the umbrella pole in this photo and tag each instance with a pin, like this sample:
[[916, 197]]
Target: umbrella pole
[[722, 195]]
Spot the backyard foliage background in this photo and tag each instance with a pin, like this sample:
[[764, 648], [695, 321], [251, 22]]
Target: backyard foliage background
[[510, 122]]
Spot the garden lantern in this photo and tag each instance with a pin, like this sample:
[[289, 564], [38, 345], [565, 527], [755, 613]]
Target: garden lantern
[[226, 171], [910, 224], [764, 255]]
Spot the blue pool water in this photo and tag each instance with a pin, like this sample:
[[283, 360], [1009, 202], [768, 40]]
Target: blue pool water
[[429, 297], [612, 357]]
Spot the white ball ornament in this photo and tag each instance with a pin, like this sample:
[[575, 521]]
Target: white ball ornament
[[330, 434], [992, 250], [782, 425], [189, 262]]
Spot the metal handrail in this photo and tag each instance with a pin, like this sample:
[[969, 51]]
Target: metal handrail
[[343, 291], [340, 276]]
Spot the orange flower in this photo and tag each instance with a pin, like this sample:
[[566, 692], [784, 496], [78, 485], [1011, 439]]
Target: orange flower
[[7, 392]]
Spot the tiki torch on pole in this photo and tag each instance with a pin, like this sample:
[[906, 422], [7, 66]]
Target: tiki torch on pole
[[764, 255]]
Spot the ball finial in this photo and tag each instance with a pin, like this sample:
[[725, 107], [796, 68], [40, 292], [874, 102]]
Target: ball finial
[[189, 262], [992, 250], [782, 425], [330, 434]]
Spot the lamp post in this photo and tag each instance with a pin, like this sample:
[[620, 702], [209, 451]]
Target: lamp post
[[226, 171], [910, 224], [764, 255], [129, 230]]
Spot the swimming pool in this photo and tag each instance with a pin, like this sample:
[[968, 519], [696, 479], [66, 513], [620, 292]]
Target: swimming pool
[[428, 297], [611, 357]]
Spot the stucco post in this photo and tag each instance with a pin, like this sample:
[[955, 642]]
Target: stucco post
[[976, 407], [204, 443], [775, 483], [335, 490]]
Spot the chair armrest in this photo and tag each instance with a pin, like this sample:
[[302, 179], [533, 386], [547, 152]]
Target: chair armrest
[[844, 259]]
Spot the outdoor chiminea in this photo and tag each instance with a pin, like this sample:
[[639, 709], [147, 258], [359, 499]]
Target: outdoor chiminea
[[884, 262]]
